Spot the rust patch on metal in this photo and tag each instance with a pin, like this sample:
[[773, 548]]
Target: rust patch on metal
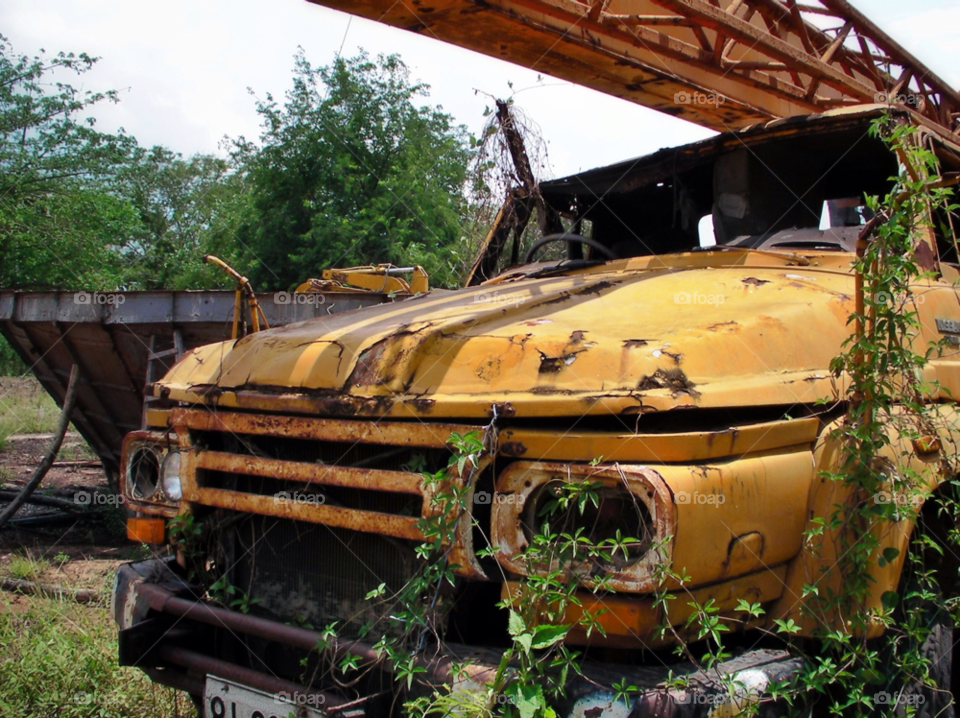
[[551, 390], [513, 448], [422, 404], [365, 372], [634, 343], [721, 325], [594, 288], [551, 365], [753, 281], [502, 411], [673, 379]]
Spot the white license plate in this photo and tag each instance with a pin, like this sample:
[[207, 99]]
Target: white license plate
[[226, 699]]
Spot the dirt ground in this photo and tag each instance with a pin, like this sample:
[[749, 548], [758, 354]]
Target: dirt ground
[[78, 549]]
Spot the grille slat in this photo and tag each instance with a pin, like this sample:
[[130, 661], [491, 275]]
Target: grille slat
[[307, 573]]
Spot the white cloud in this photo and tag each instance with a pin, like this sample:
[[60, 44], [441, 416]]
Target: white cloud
[[184, 67]]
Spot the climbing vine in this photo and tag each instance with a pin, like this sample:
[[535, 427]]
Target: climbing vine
[[889, 508]]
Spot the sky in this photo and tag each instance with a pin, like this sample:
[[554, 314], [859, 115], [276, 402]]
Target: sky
[[183, 69]]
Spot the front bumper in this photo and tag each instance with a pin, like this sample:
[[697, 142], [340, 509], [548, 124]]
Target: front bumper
[[166, 631]]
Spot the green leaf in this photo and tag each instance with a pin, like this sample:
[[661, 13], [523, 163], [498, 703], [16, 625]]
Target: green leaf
[[889, 599], [515, 624], [545, 636]]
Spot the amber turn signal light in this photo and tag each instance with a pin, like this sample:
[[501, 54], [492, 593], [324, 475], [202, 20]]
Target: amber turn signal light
[[146, 530]]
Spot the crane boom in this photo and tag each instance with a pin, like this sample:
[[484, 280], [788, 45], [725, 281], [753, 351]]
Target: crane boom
[[723, 64]]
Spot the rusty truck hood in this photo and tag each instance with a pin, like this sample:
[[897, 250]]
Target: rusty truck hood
[[728, 329]]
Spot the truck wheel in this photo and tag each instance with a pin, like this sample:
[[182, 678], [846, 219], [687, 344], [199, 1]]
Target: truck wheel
[[931, 698]]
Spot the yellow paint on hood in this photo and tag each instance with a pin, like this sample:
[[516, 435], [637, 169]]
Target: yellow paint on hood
[[649, 333]]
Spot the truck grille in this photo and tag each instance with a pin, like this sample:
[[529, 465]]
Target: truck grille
[[306, 573], [243, 462]]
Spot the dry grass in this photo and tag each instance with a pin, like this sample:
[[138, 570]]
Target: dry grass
[[25, 408]]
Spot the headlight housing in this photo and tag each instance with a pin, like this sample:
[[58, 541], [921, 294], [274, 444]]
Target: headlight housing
[[170, 476], [150, 473], [631, 500]]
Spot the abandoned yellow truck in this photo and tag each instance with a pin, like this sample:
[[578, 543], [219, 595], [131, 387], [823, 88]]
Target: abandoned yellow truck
[[353, 514], [678, 356]]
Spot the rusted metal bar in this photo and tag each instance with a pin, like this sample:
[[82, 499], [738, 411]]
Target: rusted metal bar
[[366, 432], [755, 65], [891, 48], [372, 479], [439, 667], [746, 33], [635, 20], [208, 665], [163, 601], [667, 46], [403, 527]]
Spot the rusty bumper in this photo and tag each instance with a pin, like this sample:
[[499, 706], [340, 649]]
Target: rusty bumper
[[160, 617]]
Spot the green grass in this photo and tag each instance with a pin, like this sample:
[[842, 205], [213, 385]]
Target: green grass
[[25, 408], [26, 568], [60, 659]]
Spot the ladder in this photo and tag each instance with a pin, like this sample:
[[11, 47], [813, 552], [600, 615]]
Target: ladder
[[158, 362]]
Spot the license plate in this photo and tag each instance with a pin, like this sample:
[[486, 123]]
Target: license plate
[[226, 699]]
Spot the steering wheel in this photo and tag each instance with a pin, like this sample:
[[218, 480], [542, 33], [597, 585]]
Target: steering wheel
[[567, 237]]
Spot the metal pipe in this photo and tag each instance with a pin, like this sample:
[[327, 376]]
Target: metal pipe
[[438, 667], [164, 602], [208, 665]]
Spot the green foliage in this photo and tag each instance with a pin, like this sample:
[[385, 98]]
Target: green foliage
[[25, 567], [10, 362], [56, 209], [60, 659], [185, 208], [351, 172]]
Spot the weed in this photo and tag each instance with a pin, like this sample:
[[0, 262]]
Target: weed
[[26, 568], [59, 659]]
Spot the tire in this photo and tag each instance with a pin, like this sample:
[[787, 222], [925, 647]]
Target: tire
[[931, 698]]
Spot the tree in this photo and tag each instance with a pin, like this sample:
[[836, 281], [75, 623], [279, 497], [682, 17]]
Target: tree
[[186, 208], [352, 172], [57, 218]]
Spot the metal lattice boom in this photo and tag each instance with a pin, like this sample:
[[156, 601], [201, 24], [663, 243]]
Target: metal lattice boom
[[720, 64]]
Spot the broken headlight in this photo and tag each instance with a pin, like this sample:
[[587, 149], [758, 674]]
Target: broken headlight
[[150, 472]]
